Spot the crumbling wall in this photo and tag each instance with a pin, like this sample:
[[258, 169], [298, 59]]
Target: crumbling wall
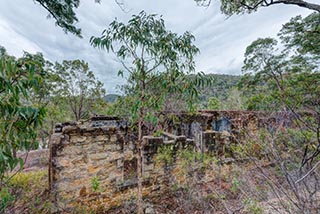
[[79, 153], [102, 151], [216, 128]]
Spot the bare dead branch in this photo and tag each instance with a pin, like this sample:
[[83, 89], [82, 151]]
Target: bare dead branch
[[308, 173]]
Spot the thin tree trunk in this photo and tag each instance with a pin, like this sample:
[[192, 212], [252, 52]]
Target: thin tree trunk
[[139, 158]]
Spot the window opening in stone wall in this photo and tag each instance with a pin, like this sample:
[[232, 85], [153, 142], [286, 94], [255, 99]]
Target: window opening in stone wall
[[223, 124], [130, 170]]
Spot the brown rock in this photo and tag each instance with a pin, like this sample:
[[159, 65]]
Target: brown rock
[[83, 192]]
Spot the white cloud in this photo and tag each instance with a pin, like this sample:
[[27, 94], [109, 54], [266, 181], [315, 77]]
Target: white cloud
[[222, 41], [18, 41]]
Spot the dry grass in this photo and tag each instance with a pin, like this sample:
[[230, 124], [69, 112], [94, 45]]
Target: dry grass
[[30, 193]]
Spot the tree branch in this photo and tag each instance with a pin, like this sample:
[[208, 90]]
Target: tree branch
[[264, 3], [299, 3], [308, 173]]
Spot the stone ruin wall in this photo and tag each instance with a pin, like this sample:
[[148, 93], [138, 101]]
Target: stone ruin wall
[[80, 152], [103, 148]]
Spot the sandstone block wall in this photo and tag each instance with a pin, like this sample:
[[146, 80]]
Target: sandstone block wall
[[102, 151], [81, 153]]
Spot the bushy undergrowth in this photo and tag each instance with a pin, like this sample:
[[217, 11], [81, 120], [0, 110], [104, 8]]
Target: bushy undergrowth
[[27, 192]]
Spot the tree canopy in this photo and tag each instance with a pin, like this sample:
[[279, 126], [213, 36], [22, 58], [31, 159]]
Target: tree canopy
[[273, 71], [20, 119], [230, 7], [283, 76], [63, 13], [156, 60], [79, 86], [65, 16]]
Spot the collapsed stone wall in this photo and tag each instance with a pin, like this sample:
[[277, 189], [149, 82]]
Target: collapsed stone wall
[[102, 151], [219, 126]]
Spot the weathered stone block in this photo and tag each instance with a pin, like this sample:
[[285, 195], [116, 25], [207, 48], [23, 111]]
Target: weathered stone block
[[99, 138], [148, 167], [72, 151], [78, 139], [113, 138], [64, 162], [98, 156]]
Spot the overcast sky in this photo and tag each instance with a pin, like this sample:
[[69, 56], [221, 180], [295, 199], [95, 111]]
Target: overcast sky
[[221, 40]]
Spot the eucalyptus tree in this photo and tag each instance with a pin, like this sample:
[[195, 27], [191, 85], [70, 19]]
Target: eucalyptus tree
[[63, 13], [20, 119], [288, 77], [269, 65], [156, 61], [230, 7], [301, 35], [268, 74], [78, 85]]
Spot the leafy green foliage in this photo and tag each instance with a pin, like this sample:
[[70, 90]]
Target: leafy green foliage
[[111, 98], [165, 154], [235, 185], [214, 103], [235, 100], [19, 79], [156, 60], [6, 198], [231, 7], [302, 35], [284, 77], [252, 206], [77, 84], [224, 88], [64, 14], [191, 160]]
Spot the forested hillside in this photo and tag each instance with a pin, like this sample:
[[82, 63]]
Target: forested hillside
[[222, 88], [111, 98]]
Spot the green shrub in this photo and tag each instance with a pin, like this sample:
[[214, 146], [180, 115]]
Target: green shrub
[[6, 198], [165, 154], [251, 206], [158, 133], [95, 184], [235, 185]]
